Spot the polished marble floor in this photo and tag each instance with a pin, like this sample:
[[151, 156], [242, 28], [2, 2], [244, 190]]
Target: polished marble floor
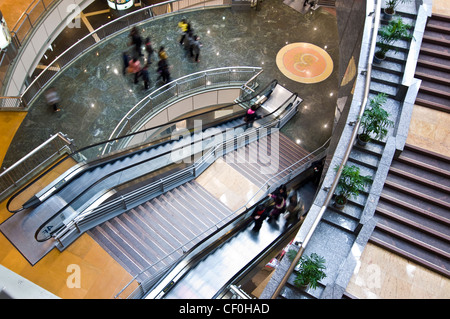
[[94, 98]]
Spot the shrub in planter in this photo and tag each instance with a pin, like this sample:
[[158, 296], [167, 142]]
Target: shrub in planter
[[375, 120], [350, 184], [392, 4], [310, 270], [388, 34]]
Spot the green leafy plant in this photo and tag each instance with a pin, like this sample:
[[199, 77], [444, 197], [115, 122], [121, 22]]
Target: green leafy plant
[[392, 4], [350, 183], [310, 271], [388, 34], [375, 120]]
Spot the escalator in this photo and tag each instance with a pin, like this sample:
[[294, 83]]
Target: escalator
[[93, 182], [226, 257]]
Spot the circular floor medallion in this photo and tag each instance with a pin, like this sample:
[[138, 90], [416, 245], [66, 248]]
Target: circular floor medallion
[[304, 62]]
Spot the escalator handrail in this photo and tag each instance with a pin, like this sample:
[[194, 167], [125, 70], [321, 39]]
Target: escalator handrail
[[87, 165], [77, 218], [103, 178]]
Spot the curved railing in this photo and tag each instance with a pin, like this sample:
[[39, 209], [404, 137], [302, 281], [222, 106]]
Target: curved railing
[[182, 87]]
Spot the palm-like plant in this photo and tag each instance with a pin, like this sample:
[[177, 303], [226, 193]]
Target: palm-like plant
[[350, 183], [310, 271], [375, 120], [388, 34]]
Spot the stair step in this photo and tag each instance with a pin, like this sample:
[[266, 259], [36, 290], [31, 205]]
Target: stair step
[[418, 164], [432, 78], [432, 105], [413, 240], [417, 194], [408, 255], [433, 65], [417, 210], [435, 40], [419, 180], [420, 227]]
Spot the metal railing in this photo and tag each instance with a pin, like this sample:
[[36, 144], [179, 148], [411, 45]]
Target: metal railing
[[330, 193], [183, 87], [20, 32], [33, 163]]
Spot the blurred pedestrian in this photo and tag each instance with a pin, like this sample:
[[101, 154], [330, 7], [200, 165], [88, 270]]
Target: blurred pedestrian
[[149, 50], [135, 68], [145, 77], [184, 29], [126, 62], [259, 215], [136, 40], [52, 97], [195, 48], [163, 71]]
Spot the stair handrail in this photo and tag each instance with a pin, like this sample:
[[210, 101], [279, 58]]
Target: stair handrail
[[330, 191]]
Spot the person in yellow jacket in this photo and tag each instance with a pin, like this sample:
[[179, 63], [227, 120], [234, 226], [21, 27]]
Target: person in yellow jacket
[[184, 27]]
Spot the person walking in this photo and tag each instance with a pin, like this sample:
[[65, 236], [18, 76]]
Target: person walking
[[135, 68], [145, 77], [259, 215], [53, 99], [163, 70], [195, 48], [184, 28], [162, 54], [149, 50], [126, 62], [136, 40]]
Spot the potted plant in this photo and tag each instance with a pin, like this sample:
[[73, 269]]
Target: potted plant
[[388, 34], [310, 270], [375, 120], [350, 184], [389, 11]]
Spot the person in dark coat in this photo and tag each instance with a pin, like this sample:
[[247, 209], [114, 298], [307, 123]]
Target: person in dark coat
[[126, 62], [195, 48], [258, 215], [149, 50], [145, 77], [163, 70], [136, 40], [250, 116]]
